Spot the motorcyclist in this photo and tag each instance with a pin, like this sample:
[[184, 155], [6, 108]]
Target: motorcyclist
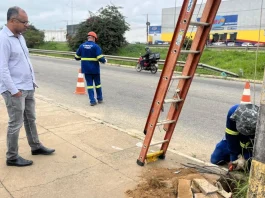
[[146, 56]]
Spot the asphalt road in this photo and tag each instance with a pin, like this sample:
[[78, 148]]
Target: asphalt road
[[128, 96]]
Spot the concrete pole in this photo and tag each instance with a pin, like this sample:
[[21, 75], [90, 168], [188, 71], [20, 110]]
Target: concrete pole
[[175, 14], [147, 25], [72, 12], [257, 172]]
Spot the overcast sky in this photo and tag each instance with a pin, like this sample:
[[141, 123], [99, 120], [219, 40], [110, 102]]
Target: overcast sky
[[55, 14]]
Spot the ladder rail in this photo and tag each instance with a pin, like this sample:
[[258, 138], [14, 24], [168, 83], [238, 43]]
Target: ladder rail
[[181, 29], [198, 43], [203, 29]]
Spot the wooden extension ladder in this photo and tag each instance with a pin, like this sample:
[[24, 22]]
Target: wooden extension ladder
[[203, 29]]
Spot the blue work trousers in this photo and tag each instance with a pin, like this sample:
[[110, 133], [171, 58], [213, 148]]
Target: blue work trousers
[[221, 154], [90, 78]]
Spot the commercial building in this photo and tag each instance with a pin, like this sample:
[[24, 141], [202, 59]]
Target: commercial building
[[55, 35], [236, 21]]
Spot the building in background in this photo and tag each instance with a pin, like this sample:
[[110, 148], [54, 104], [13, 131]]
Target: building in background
[[236, 21], [72, 29], [55, 35], [154, 35]]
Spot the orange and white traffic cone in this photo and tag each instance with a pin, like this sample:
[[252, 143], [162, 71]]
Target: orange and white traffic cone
[[246, 94], [80, 86]]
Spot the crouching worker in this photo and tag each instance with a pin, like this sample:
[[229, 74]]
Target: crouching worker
[[237, 146]]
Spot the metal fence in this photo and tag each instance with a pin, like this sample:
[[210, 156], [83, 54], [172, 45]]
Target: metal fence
[[220, 47], [131, 59]]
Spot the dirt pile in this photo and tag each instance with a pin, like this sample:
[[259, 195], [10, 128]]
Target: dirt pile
[[172, 183]]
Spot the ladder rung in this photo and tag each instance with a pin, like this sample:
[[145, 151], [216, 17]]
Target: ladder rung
[[189, 52], [172, 100], [162, 142], [180, 77], [165, 122], [196, 23]]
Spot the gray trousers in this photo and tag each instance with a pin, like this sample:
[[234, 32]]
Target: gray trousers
[[20, 109]]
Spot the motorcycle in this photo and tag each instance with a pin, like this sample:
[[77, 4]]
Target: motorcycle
[[150, 65]]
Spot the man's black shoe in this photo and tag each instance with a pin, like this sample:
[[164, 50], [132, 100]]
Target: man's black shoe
[[42, 151], [19, 162]]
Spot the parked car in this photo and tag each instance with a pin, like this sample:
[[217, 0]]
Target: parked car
[[259, 44], [219, 44], [231, 44], [158, 42], [246, 44]]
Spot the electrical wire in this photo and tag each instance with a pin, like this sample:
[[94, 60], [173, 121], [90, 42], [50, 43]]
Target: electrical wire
[[194, 26], [186, 46], [257, 50]]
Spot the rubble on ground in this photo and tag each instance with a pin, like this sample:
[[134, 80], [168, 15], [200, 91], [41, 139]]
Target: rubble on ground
[[181, 183]]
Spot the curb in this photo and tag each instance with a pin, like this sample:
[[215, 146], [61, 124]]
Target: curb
[[132, 134], [197, 75]]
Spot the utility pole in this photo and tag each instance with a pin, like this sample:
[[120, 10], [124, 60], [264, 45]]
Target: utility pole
[[256, 187], [147, 25], [175, 14], [72, 11]]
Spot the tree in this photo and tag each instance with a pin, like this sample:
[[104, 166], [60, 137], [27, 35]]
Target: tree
[[110, 26], [33, 37]]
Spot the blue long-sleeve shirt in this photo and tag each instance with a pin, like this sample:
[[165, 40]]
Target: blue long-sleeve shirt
[[16, 71], [237, 143], [90, 55]]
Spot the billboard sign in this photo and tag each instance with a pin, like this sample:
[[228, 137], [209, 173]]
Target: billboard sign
[[155, 30], [228, 22]]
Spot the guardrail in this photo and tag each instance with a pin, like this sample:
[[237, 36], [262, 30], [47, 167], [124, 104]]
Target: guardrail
[[220, 47], [131, 59]]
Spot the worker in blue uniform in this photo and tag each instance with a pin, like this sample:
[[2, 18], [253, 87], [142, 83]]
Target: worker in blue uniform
[[237, 145], [90, 55]]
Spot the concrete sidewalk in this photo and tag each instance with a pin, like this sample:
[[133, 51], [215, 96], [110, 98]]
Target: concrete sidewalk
[[92, 159]]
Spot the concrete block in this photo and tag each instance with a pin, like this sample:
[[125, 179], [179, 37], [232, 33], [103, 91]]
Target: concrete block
[[205, 186], [184, 190]]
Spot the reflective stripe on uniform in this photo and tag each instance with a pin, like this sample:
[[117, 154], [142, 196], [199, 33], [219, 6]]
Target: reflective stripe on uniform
[[77, 56], [89, 59], [244, 145], [91, 87], [100, 56], [230, 132]]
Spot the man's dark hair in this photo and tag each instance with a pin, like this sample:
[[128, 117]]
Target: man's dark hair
[[12, 12]]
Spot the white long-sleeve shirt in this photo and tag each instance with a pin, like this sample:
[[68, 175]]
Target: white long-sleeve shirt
[[16, 71]]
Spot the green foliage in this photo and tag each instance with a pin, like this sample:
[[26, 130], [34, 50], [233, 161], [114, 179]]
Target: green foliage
[[235, 61], [241, 189], [231, 60], [135, 50], [33, 37], [239, 186], [110, 26], [52, 45], [187, 43]]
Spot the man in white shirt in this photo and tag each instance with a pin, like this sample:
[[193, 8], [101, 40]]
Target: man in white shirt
[[17, 86]]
